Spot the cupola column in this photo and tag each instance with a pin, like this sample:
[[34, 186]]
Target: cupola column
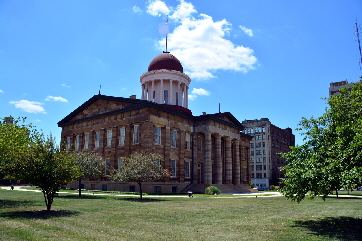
[[170, 100], [161, 92]]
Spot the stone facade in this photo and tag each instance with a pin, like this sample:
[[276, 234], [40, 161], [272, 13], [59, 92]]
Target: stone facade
[[206, 149]]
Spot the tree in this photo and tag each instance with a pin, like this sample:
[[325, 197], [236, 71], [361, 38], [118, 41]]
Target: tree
[[44, 165], [15, 135], [140, 167], [331, 156], [92, 165]]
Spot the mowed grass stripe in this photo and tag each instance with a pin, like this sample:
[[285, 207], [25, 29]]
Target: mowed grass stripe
[[179, 218]]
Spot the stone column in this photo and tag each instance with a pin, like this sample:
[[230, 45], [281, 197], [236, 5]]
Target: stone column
[[170, 96], [228, 161], [207, 158], [178, 91], [152, 90], [186, 96], [161, 92], [218, 160], [236, 169]]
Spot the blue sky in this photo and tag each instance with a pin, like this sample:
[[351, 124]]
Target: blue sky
[[272, 59]]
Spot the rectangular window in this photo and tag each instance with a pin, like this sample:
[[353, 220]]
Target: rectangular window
[[157, 135], [251, 153], [264, 174], [252, 168], [252, 160], [264, 167], [165, 96], [122, 136], [188, 141], [173, 138], [98, 139], [199, 143], [264, 152], [109, 138], [157, 189], [251, 145], [108, 166], [86, 141], [173, 168], [77, 143], [187, 169], [67, 147], [264, 159], [252, 175], [136, 134], [120, 163], [157, 161], [263, 144]]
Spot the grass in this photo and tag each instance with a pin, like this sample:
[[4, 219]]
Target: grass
[[110, 217]]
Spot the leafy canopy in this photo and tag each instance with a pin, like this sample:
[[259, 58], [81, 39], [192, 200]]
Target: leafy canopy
[[140, 167], [331, 156]]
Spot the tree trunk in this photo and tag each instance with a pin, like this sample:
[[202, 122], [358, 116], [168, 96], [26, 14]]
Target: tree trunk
[[140, 184], [337, 192], [48, 197], [80, 190]]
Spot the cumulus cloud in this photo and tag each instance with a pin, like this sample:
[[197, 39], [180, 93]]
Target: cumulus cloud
[[157, 8], [54, 98], [136, 9], [200, 43], [196, 92], [29, 106], [183, 10], [247, 31], [64, 85]]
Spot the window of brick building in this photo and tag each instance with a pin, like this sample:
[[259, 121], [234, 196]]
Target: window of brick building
[[188, 141], [187, 169], [173, 138], [173, 168], [86, 141], [122, 136], [120, 163], [77, 140], [109, 138], [67, 147], [136, 134], [157, 135], [199, 143], [108, 166], [98, 139]]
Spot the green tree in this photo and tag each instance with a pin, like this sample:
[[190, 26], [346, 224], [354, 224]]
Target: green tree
[[92, 165], [15, 135], [43, 164], [331, 156], [140, 167]]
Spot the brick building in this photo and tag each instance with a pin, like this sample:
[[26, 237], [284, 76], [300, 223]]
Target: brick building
[[199, 150], [334, 87], [267, 141]]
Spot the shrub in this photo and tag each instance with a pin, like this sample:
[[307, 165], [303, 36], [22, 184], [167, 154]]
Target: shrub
[[252, 185], [212, 190], [272, 187]]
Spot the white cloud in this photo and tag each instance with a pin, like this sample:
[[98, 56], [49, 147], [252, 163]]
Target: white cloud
[[200, 44], [29, 106], [200, 91], [1, 91], [196, 92], [64, 85], [156, 8], [247, 31], [54, 98], [136, 9], [183, 10]]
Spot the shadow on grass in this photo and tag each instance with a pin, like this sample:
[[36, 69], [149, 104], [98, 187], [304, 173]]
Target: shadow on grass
[[12, 203], [43, 214], [343, 228], [82, 197]]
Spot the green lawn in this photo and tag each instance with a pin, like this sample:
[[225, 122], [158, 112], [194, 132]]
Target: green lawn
[[225, 217]]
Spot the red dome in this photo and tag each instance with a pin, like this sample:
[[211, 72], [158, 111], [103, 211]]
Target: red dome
[[165, 61]]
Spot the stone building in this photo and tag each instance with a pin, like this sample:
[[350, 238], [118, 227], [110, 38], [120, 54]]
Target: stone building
[[267, 141], [334, 87], [199, 150]]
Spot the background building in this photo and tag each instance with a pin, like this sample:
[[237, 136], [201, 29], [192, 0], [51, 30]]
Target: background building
[[267, 141], [199, 150], [334, 87]]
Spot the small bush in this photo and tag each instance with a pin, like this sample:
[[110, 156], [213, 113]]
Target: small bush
[[272, 187], [252, 185], [212, 190]]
